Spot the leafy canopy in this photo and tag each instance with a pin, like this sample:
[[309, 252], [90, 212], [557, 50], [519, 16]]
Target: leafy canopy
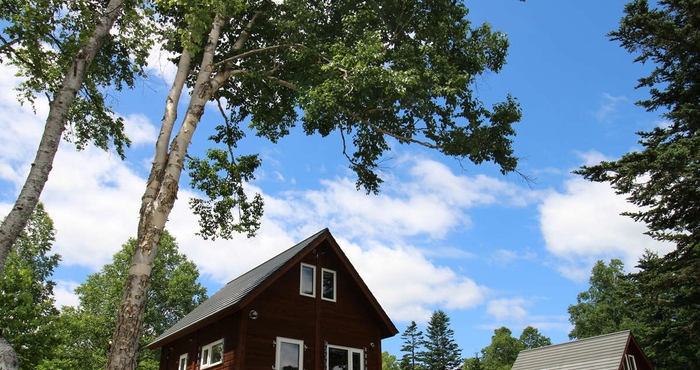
[[373, 73], [28, 316], [174, 292], [41, 38]]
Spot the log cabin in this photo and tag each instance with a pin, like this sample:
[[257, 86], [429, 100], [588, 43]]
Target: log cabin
[[305, 309]]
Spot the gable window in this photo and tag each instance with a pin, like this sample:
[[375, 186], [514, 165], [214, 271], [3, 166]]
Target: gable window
[[182, 364], [344, 358], [328, 285], [289, 354], [213, 353], [307, 283]]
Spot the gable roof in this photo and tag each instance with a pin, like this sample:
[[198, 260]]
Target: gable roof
[[241, 290], [604, 352]]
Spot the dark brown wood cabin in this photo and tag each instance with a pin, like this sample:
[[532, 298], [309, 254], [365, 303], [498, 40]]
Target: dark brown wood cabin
[[305, 309]]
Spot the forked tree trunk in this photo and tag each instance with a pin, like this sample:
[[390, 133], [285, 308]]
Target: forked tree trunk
[[28, 197], [159, 198]]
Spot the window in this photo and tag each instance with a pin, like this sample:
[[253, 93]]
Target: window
[[344, 358], [307, 283], [289, 354], [182, 364], [633, 363], [328, 285], [213, 353]]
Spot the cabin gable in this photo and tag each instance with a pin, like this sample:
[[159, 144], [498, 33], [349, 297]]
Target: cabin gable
[[311, 311]]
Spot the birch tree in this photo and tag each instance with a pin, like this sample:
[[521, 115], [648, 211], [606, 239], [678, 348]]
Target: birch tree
[[399, 70], [63, 49]]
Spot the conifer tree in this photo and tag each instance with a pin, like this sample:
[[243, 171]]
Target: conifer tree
[[440, 350], [412, 339]]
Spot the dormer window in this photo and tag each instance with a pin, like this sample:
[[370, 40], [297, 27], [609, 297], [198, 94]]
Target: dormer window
[[307, 281], [328, 280]]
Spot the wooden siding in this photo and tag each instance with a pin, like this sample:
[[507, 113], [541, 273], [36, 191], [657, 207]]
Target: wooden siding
[[249, 344], [226, 329]]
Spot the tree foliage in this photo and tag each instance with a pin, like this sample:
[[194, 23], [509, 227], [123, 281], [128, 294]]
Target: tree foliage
[[27, 312], [666, 308], [603, 308], [663, 177], [503, 350], [372, 72], [389, 361], [411, 345], [532, 338], [174, 293], [42, 38], [440, 351]]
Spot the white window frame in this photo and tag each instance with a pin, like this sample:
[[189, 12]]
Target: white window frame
[[632, 362], [335, 284], [350, 350], [208, 357], [313, 280], [278, 351], [179, 362]]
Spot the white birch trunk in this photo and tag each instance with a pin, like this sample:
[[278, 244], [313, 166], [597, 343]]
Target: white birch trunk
[[158, 201], [28, 197]]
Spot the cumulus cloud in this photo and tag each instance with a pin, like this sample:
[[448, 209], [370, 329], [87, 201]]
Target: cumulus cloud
[[583, 223]]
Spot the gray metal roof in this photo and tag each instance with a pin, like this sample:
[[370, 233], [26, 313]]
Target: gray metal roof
[[236, 290], [603, 352]]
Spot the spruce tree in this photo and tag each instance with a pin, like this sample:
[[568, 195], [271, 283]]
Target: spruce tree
[[441, 352], [412, 339]]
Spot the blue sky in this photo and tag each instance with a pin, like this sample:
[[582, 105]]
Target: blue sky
[[490, 250]]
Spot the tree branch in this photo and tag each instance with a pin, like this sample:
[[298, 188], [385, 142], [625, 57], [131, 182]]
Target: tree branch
[[252, 52], [395, 136]]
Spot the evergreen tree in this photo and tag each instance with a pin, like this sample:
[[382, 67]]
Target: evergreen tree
[[473, 363], [27, 313], [440, 350], [412, 339], [666, 308], [667, 39]]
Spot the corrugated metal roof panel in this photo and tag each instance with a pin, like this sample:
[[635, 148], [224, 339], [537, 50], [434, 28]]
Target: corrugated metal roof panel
[[603, 352], [236, 289]]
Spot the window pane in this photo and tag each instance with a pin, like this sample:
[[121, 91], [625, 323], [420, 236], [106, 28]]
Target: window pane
[[337, 359], [217, 353], [307, 280], [183, 363], [356, 361], [205, 357], [328, 285], [289, 356]]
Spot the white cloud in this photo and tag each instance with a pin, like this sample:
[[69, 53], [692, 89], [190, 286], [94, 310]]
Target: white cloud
[[139, 129], [507, 308], [608, 108], [64, 293], [583, 224], [514, 313], [159, 64]]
